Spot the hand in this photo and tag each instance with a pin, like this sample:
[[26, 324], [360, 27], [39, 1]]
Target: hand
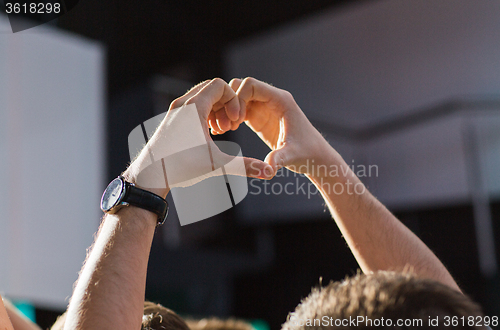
[[182, 147], [274, 115]]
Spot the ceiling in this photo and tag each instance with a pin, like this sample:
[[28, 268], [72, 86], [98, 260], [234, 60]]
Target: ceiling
[[184, 39]]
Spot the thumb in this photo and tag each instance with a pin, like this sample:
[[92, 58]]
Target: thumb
[[278, 158], [258, 169], [246, 166]]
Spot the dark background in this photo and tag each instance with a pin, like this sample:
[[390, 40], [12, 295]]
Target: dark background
[[184, 39]]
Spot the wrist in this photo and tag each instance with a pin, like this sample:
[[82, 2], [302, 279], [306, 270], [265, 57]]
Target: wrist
[[131, 175], [332, 176], [121, 193], [326, 163], [330, 168]]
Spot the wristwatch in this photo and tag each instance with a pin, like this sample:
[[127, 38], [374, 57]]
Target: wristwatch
[[120, 193]]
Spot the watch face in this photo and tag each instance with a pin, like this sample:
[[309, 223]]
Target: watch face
[[111, 195]]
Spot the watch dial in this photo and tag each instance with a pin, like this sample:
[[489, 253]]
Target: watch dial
[[111, 194]]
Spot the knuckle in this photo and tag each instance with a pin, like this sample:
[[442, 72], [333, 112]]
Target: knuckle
[[234, 81], [191, 100], [177, 103], [287, 96], [218, 81], [248, 81]]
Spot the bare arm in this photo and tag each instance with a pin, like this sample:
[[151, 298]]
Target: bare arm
[[19, 321], [111, 287], [5, 323], [378, 240], [110, 290]]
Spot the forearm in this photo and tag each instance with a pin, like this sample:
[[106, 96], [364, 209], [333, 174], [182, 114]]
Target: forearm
[[19, 321], [378, 240], [5, 323], [110, 290], [111, 287]]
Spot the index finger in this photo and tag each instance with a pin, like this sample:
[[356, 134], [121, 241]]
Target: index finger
[[251, 89], [217, 91]]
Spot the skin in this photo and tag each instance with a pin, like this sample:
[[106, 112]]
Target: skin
[[18, 320], [5, 323], [110, 291], [378, 240]]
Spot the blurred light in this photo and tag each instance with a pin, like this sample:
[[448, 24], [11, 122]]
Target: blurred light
[[26, 308], [260, 324]]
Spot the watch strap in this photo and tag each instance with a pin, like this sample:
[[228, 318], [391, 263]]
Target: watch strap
[[146, 200]]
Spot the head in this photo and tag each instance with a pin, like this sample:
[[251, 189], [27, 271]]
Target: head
[[370, 301], [59, 324], [214, 323], [155, 317]]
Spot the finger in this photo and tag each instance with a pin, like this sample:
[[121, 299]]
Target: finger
[[214, 129], [238, 165], [235, 83], [223, 121], [278, 158], [243, 112], [252, 89], [217, 90], [253, 168], [234, 126], [192, 92], [212, 122], [258, 169]]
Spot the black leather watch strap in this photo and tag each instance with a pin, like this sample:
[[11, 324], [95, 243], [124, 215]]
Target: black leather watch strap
[[146, 200]]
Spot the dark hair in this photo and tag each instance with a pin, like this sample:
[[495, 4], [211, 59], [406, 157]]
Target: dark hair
[[389, 296], [157, 317]]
